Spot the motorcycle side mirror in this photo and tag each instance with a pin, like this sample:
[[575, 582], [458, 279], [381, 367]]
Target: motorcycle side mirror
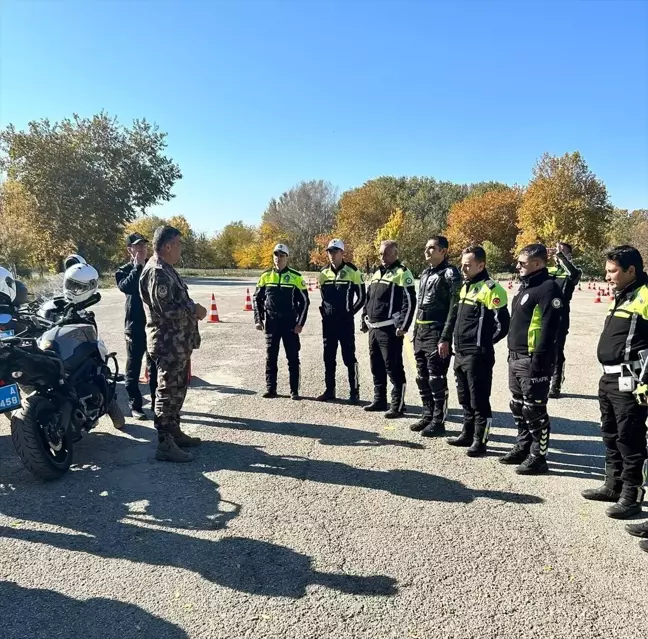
[[5, 318]]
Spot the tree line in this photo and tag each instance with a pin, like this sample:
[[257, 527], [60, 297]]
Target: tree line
[[80, 185]]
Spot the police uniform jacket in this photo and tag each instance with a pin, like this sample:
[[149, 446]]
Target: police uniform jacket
[[343, 290], [172, 323], [482, 315], [391, 298], [438, 297], [281, 296], [567, 276], [535, 317], [625, 331]]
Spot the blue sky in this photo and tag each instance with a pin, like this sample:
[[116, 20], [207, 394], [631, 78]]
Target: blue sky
[[258, 95]]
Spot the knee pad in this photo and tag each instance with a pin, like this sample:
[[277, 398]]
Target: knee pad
[[535, 415], [423, 384], [516, 408]]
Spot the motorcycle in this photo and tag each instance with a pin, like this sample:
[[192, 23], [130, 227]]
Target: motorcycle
[[68, 377]]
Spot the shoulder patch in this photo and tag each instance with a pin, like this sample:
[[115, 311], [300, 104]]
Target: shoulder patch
[[162, 291], [556, 302], [496, 301]]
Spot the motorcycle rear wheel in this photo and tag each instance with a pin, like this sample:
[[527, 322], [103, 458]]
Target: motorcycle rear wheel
[[28, 432]]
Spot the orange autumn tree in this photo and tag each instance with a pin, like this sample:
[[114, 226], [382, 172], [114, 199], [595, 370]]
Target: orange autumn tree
[[491, 217]]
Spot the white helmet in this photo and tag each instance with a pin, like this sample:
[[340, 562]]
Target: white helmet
[[80, 282], [71, 260], [7, 287]]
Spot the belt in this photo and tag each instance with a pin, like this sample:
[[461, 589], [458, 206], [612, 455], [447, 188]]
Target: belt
[[617, 369], [389, 322]]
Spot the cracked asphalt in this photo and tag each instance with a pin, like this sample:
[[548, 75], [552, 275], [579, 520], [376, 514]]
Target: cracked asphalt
[[302, 519]]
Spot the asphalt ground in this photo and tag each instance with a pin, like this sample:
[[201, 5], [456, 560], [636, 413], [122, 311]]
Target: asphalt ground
[[302, 519]]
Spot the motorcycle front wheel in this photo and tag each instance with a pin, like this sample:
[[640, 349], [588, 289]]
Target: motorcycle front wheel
[[30, 428]]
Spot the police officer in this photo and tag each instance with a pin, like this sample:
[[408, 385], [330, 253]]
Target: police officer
[[437, 311], [482, 321], [172, 335], [127, 278], [623, 417], [567, 275], [388, 314], [281, 307], [535, 318], [343, 295]]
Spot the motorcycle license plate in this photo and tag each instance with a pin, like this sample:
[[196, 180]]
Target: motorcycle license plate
[[6, 334], [9, 398]]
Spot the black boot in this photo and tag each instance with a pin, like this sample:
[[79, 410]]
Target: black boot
[[434, 429], [638, 530], [516, 455], [354, 384], [643, 545], [269, 394], [609, 491], [379, 404], [327, 396], [554, 391], [533, 465], [629, 503], [477, 448], [397, 408], [426, 418], [465, 438]]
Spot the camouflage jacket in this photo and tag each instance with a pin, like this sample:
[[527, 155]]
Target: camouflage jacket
[[171, 321]]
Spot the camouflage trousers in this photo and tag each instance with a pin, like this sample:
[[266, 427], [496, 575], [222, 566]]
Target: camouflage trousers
[[170, 394]]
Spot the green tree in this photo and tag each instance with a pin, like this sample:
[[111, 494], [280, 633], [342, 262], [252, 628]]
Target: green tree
[[90, 177]]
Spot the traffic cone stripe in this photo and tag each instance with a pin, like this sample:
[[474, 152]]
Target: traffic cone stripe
[[248, 302], [213, 312]]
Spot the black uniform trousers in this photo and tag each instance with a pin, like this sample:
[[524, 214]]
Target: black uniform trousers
[[135, 352], [339, 329], [529, 405], [474, 377], [278, 331], [432, 372], [386, 359], [623, 424], [559, 361]]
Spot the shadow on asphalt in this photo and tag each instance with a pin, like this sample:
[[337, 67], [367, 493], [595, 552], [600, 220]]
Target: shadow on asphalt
[[117, 511], [198, 382], [326, 435], [35, 612], [579, 458]]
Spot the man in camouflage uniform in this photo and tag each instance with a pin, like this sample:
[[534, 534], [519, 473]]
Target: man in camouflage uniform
[[172, 335]]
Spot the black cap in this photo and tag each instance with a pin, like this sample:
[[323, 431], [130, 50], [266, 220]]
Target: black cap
[[135, 238]]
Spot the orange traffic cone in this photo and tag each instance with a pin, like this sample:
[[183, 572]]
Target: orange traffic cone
[[213, 312], [310, 285], [597, 299], [248, 302]]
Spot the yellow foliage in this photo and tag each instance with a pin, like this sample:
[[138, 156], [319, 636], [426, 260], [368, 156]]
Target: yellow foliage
[[564, 202], [491, 217]]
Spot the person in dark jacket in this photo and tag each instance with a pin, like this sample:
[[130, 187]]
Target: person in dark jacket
[[482, 321], [387, 316], [128, 282], [623, 413], [535, 319], [343, 295], [280, 309], [567, 276], [437, 311]]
